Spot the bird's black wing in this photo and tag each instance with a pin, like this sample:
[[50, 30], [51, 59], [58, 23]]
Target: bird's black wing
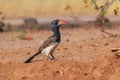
[[51, 40]]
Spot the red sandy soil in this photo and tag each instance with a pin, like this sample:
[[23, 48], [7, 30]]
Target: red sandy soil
[[84, 54]]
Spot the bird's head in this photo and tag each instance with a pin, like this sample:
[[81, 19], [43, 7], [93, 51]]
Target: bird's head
[[55, 24]]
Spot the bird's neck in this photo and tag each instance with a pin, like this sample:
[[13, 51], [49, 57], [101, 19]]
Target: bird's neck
[[57, 34]]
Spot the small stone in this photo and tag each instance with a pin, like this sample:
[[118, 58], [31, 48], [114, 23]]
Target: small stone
[[106, 44], [96, 45], [86, 74], [67, 40], [28, 53], [61, 73], [80, 46]]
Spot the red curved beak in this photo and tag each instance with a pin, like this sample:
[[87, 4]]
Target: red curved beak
[[63, 22]]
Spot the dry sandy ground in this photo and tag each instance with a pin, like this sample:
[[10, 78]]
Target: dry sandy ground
[[84, 54]]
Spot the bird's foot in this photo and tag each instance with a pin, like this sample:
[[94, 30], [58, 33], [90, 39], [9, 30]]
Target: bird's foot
[[52, 59]]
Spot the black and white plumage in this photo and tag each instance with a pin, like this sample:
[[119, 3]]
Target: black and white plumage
[[51, 43]]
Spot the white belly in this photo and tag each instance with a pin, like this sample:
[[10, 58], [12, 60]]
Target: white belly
[[48, 50]]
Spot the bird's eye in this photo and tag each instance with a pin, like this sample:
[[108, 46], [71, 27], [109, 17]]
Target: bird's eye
[[55, 22]]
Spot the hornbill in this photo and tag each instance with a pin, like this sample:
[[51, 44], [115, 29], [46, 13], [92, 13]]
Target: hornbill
[[51, 43]]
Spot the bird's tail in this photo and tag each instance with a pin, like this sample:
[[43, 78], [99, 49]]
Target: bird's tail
[[29, 59]]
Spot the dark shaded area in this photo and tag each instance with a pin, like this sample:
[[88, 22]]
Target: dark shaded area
[[30, 21], [33, 24], [1, 26], [102, 21]]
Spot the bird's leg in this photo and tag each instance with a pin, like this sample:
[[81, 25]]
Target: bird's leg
[[50, 57]]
